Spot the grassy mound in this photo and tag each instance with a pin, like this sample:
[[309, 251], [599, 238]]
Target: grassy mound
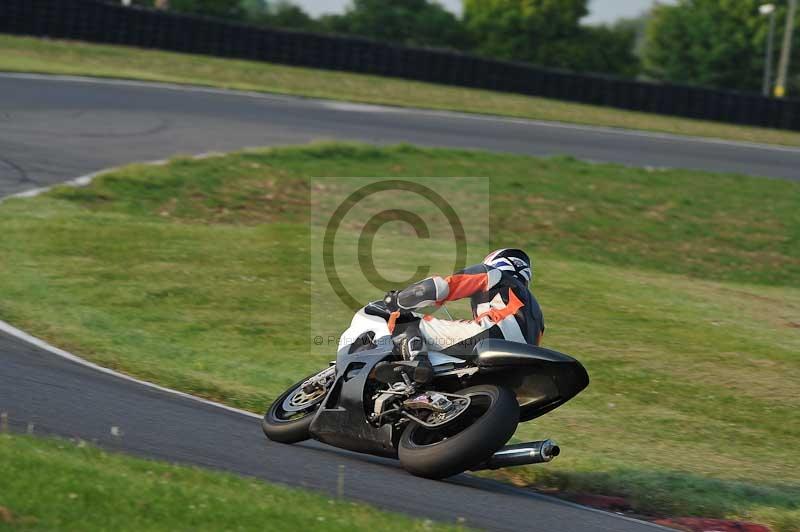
[[678, 290]]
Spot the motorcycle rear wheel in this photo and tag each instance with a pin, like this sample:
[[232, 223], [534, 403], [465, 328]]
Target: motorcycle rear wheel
[[467, 441], [289, 417]]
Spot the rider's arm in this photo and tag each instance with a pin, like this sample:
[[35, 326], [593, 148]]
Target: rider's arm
[[437, 290]]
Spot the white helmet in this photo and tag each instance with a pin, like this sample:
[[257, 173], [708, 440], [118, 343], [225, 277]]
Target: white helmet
[[511, 260]]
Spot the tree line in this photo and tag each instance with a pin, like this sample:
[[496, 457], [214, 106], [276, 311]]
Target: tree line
[[716, 43]]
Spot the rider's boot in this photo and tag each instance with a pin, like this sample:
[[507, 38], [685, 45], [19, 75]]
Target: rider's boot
[[410, 348], [413, 361]]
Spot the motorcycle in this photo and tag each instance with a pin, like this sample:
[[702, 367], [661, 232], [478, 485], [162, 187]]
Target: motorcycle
[[439, 423]]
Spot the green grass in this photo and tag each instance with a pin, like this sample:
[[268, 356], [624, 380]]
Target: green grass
[[50, 484], [677, 289], [23, 54]]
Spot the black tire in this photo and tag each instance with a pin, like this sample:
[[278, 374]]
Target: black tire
[[466, 442], [282, 429]]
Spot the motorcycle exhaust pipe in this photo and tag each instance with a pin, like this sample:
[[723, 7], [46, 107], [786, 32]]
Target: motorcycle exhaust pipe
[[536, 452]]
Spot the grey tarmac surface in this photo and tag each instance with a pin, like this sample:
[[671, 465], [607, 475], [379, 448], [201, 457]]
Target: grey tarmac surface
[[52, 130], [56, 129]]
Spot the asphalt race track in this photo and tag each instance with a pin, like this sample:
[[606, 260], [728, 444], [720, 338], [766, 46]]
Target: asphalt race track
[[56, 129], [52, 130]]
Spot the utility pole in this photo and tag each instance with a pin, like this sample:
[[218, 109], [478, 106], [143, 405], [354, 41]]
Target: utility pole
[[786, 51], [768, 10]]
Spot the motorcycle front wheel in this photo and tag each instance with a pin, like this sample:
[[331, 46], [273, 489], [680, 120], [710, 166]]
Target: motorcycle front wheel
[[289, 417], [467, 441]]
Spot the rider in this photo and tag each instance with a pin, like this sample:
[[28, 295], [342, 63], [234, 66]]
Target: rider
[[502, 307]]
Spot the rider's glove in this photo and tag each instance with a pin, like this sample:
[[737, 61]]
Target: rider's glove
[[390, 299]]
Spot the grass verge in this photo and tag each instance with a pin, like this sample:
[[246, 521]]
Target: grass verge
[[677, 289], [60, 485], [24, 54]]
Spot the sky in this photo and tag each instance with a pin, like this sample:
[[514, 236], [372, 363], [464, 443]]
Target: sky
[[601, 10]]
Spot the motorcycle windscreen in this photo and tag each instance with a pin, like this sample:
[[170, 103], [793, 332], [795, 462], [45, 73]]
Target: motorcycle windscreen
[[543, 379]]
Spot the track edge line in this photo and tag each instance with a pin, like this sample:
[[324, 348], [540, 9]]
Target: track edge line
[[41, 344]]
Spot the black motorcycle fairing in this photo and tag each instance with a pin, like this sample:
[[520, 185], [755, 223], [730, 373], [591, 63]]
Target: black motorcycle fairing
[[365, 342], [543, 379], [498, 352], [341, 420]]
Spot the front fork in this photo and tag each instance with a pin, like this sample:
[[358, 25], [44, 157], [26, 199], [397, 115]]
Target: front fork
[[320, 380]]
